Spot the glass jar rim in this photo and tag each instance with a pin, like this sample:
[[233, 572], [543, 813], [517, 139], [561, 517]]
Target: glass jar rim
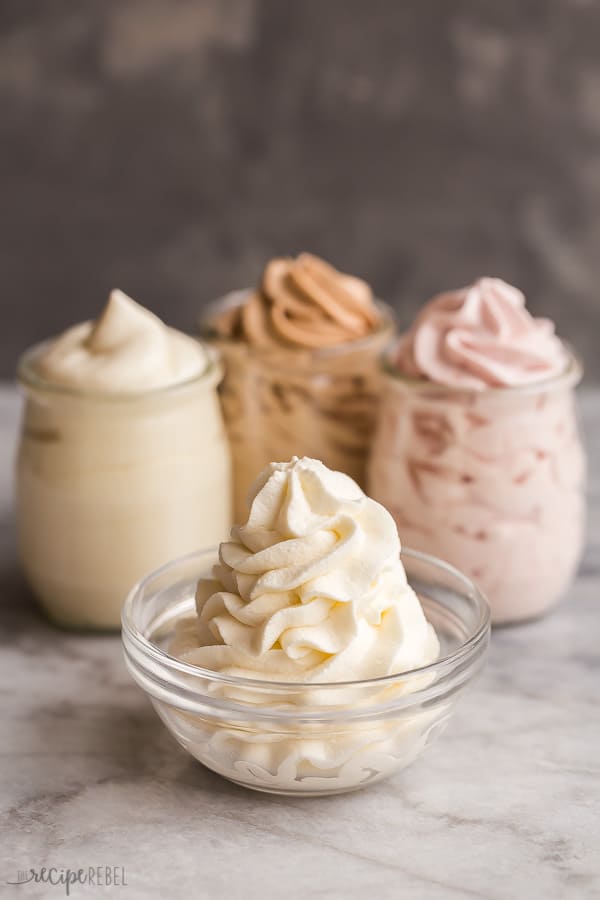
[[570, 376], [446, 664], [236, 298], [29, 378]]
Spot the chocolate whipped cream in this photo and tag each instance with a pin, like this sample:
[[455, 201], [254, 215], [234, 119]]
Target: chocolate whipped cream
[[301, 375], [303, 302]]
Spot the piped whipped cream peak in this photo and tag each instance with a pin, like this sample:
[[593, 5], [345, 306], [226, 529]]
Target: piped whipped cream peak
[[310, 589], [481, 336], [127, 349], [303, 302]]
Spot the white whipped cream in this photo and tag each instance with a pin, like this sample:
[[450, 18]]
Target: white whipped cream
[[115, 475], [126, 350], [310, 589]]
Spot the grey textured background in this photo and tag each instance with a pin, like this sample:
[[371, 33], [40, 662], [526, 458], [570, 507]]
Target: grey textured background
[[169, 147]]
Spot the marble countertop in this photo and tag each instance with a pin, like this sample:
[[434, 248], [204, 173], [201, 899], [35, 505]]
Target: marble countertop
[[505, 805]]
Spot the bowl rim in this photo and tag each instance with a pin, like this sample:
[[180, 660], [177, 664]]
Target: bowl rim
[[440, 666]]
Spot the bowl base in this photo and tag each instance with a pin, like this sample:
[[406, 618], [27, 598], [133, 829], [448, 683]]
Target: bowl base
[[300, 793]]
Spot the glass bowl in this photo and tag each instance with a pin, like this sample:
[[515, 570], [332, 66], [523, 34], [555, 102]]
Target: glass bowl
[[304, 739]]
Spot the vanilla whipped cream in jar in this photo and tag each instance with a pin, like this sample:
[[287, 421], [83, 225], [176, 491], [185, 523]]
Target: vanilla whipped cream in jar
[[301, 368], [477, 452], [123, 461]]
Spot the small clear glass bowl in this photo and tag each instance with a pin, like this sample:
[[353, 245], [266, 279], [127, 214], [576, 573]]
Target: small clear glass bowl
[[304, 739]]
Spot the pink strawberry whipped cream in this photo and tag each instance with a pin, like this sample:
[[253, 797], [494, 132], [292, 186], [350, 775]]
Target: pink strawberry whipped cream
[[477, 453], [481, 336]]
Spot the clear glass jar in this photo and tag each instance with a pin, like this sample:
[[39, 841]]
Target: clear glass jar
[[110, 486], [282, 402], [304, 739], [492, 481]]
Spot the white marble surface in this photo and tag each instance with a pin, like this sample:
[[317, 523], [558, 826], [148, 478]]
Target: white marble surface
[[505, 805]]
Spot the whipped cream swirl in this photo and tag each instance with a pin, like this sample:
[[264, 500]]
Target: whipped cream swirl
[[303, 302], [481, 336], [310, 589], [127, 349]]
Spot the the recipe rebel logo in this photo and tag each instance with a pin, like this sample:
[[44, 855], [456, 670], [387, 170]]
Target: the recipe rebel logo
[[91, 876]]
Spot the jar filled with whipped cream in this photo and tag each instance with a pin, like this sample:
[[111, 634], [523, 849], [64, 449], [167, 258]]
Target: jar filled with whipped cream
[[123, 462], [477, 452], [301, 368]]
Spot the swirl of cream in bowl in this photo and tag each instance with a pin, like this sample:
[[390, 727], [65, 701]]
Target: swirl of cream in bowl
[[310, 589], [481, 336], [310, 592]]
